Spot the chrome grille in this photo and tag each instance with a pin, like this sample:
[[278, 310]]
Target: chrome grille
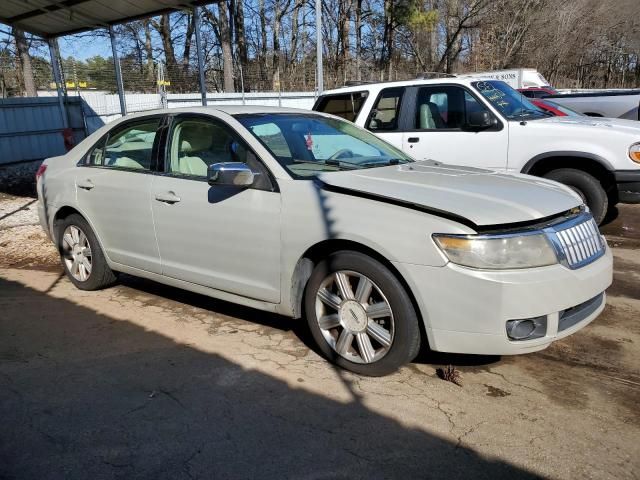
[[580, 243]]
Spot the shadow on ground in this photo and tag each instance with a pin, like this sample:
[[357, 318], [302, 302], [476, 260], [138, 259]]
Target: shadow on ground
[[83, 395]]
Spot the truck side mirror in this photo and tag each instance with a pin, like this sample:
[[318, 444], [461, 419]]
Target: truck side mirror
[[481, 120]]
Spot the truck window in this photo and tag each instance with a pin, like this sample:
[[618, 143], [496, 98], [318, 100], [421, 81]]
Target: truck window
[[385, 112], [444, 107], [346, 105]]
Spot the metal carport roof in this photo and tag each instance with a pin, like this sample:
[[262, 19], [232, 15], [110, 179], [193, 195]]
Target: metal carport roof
[[49, 18]]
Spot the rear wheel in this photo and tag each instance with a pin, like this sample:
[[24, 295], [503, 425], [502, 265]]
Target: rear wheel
[[587, 186], [81, 256], [360, 315]]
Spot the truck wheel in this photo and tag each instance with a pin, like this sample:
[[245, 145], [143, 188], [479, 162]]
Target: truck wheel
[[360, 315], [585, 185]]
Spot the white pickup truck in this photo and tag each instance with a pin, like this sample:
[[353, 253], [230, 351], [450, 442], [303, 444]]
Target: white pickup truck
[[487, 124]]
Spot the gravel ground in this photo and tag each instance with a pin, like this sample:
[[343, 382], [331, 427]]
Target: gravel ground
[[22, 240], [146, 381]]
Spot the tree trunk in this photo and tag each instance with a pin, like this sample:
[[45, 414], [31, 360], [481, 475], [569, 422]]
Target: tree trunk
[[164, 30], [388, 39], [276, 46], [224, 24], [149, 74], [191, 25], [241, 40], [343, 28], [358, 27], [263, 41], [25, 63]]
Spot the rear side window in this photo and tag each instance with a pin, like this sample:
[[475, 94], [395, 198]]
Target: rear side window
[[128, 147], [347, 105], [385, 113]]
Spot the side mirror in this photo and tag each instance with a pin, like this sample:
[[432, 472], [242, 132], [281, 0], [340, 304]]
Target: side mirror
[[230, 173], [481, 120]]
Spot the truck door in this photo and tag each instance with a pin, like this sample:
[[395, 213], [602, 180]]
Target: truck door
[[384, 117], [437, 127]]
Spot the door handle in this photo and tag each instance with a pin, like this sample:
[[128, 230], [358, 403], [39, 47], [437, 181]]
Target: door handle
[[86, 185], [167, 197], [413, 139]]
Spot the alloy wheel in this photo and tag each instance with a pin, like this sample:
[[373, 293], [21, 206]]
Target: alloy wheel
[[354, 316], [76, 252]]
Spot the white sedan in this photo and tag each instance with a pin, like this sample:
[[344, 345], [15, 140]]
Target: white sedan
[[307, 215]]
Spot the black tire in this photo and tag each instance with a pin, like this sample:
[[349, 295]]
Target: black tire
[[101, 275], [587, 186], [406, 339]]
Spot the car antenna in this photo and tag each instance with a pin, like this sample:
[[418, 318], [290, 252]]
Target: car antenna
[[522, 120]]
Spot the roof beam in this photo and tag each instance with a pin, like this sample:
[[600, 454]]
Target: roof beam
[[64, 5], [22, 20]]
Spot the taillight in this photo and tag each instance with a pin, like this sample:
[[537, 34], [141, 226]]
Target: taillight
[[41, 169]]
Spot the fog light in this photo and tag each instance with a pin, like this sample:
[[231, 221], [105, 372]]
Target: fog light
[[527, 328]]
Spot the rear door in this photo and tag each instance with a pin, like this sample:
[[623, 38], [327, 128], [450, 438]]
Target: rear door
[[113, 189], [436, 128]]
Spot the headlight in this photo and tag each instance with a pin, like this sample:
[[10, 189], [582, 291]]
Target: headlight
[[498, 252], [634, 152]]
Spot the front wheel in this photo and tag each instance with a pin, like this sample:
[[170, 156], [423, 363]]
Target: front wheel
[[360, 315], [585, 185]]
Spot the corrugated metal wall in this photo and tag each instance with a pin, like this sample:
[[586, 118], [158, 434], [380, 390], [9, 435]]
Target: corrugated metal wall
[[31, 128]]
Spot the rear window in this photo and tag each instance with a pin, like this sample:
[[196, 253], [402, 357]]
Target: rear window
[[346, 105]]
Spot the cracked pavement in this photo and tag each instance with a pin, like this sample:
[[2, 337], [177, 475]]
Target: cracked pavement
[[147, 381]]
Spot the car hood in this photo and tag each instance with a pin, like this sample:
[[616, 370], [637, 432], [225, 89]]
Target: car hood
[[481, 197], [618, 124]]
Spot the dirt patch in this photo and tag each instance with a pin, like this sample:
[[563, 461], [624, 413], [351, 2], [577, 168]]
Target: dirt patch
[[495, 391], [570, 369], [29, 247], [626, 279], [621, 317]]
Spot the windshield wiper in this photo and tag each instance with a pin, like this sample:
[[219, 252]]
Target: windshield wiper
[[340, 164], [383, 163]]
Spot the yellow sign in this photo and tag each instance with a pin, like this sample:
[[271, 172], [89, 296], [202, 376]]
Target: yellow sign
[[164, 83], [73, 84]]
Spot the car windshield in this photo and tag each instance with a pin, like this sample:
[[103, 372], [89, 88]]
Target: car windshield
[[511, 103], [307, 145]]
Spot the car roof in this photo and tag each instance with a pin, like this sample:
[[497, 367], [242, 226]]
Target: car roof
[[228, 109], [400, 83]]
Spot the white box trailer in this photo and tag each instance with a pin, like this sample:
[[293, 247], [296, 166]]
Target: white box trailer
[[516, 77]]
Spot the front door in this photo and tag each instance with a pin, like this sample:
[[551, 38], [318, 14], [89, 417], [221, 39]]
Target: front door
[[223, 237], [113, 192], [384, 118], [437, 130]]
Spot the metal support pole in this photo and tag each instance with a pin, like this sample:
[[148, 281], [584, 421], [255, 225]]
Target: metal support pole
[[319, 76], [116, 64], [57, 77], [203, 86]]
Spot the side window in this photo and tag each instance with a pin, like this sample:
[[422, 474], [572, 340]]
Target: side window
[[96, 156], [385, 113], [444, 107], [129, 147], [197, 143], [346, 105]]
